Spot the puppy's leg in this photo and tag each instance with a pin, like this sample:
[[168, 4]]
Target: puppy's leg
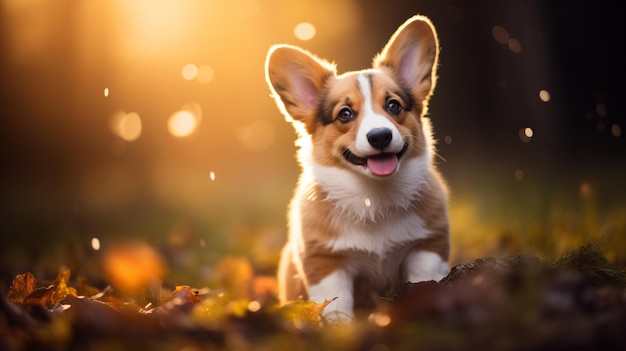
[[290, 284], [336, 287], [424, 266]]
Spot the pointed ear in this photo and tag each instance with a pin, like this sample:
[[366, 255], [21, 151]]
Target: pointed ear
[[297, 80], [412, 54]]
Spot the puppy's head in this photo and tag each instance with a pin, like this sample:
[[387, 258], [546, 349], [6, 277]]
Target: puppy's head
[[368, 121]]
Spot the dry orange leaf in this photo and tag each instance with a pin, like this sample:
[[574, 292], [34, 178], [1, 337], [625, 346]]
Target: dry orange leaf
[[62, 287], [22, 286], [40, 296]]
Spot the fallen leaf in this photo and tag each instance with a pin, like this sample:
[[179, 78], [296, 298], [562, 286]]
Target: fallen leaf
[[40, 296], [62, 287], [22, 286]]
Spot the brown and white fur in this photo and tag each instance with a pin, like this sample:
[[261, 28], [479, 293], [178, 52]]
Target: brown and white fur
[[370, 209]]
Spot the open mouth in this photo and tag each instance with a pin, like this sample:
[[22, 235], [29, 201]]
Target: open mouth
[[381, 164]]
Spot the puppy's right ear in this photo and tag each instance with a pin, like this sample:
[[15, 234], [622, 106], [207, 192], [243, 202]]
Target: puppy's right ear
[[297, 80]]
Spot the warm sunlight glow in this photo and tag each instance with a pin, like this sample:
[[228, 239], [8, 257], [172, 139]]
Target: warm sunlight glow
[[106, 92], [212, 176], [181, 124], [304, 31], [544, 95], [126, 125], [257, 136], [190, 71]]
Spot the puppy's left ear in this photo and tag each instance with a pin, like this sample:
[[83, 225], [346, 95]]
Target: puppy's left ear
[[412, 54]]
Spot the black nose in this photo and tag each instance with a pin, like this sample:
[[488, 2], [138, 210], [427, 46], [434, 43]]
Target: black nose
[[379, 138]]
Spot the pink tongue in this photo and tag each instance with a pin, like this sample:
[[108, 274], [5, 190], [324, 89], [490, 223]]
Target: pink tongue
[[383, 165]]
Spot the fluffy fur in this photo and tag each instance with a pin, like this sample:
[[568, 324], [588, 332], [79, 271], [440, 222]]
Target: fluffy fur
[[370, 209]]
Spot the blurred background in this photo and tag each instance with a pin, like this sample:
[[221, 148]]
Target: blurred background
[[149, 122]]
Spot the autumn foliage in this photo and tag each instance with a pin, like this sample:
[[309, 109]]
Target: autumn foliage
[[513, 302]]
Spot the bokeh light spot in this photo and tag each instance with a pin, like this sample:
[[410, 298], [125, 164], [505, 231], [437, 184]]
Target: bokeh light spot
[[181, 124], [106, 92], [448, 139], [380, 319], [126, 125], [528, 132], [525, 134], [500, 34], [544, 95], [190, 71], [519, 175], [212, 176], [515, 45], [95, 244], [205, 74], [616, 130], [304, 31], [131, 267], [254, 306]]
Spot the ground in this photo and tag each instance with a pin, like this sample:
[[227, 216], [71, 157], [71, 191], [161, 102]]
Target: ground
[[513, 302]]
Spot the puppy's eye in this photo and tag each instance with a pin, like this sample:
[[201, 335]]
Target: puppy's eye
[[346, 115], [393, 106]]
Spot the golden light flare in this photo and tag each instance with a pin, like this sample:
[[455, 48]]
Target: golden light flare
[[106, 92], [184, 122], [181, 124], [254, 306], [130, 267], [126, 125], [304, 31], [380, 319], [544, 95]]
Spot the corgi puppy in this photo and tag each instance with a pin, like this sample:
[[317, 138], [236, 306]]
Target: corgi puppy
[[370, 209]]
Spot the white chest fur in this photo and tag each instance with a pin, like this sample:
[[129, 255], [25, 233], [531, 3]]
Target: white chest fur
[[378, 237], [374, 215]]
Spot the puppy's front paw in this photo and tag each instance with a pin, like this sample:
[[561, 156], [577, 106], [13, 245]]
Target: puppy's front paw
[[424, 266]]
